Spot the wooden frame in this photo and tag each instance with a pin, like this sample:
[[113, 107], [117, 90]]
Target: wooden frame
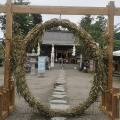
[[110, 10], [64, 10]]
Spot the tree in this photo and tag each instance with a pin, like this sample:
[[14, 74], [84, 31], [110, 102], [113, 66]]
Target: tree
[[117, 32], [117, 36], [25, 21], [1, 53], [37, 18], [86, 22], [22, 23], [116, 45], [2, 21], [95, 29]]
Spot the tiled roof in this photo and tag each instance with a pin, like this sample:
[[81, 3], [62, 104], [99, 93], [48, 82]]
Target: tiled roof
[[58, 38]]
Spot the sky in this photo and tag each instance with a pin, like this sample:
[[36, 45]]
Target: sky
[[73, 18]]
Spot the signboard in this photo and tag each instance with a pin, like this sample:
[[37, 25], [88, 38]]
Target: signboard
[[41, 65]]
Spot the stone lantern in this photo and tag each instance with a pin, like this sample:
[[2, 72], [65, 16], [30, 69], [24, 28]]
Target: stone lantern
[[32, 57]]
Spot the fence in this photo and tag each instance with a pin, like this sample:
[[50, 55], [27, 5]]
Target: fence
[[7, 100], [110, 103]]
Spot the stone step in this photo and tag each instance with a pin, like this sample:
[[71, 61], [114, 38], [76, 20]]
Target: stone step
[[59, 106], [59, 93], [60, 89], [58, 101], [59, 96], [58, 118]]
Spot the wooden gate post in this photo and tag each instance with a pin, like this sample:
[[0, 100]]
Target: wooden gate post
[[115, 104], [1, 102], [8, 37], [110, 54], [12, 93]]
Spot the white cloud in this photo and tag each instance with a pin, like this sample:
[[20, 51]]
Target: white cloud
[[1, 34], [2, 1], [99, 3], [83, 3]]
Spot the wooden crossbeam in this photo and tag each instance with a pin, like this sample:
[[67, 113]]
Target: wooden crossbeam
[[3, 8], [117, 11], [64, 10]]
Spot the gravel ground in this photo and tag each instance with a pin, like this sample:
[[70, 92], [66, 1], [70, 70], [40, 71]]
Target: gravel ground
[[78, 85]]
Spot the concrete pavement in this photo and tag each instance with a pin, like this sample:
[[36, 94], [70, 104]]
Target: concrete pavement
[[78, 85]]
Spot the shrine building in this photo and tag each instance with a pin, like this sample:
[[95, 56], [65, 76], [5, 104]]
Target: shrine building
[[63, 42]]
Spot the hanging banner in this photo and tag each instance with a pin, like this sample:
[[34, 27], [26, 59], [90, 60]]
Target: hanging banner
[[52, 59], [41, 65], [81, 61], [91, 65]]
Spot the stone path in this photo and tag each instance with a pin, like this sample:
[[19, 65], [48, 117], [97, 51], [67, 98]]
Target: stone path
[[59, 97]]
